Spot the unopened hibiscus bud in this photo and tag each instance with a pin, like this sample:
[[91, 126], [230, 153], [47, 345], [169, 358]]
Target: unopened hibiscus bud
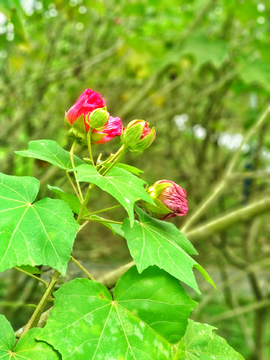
[[78, 114], [110, 130], [97, 118], [137, 136], [169, 198]]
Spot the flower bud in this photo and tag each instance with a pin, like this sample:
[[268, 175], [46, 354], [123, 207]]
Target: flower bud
[[110, 130], [137, 136], [169, 198], [88, 101], [97, 118]]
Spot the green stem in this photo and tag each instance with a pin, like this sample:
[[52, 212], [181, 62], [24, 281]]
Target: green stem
[[32, 275], [38, 311], [90, 147], [104, 221], [82, 268], [75, 174], [103, 210], [74, 187], [121, 152], [84, 204]]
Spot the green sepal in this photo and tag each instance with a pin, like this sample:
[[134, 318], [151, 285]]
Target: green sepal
[[160, 208], [144, 143], [132, 134], [77, 131]]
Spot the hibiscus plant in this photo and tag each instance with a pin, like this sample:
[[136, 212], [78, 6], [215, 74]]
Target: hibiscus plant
[[145, 315]]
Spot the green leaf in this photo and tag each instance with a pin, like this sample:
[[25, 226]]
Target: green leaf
[[205, 49], [49, 150], [201, 343], [30, 269], [156, 242], [40, 233], [256, 71], [27, 348], [72, 201], [13, 10], [148, 314], [123, 186]]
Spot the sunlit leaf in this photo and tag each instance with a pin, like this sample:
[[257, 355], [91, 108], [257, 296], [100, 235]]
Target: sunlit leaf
[[155, 242], [49, 150], [27, 347], [40, 233], [201, 343], [123, 186], [148, 314]]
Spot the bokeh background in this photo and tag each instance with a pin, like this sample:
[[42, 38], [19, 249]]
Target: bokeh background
[[199, 71]]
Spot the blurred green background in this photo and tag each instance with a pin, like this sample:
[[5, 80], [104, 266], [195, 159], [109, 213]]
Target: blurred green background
[[199, 71]]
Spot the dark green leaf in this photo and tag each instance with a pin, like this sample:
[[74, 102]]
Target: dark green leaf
[[149, 314], [156, 242], [49, 150], [41, 233], [123, 186], [27, 348], [201, 343]]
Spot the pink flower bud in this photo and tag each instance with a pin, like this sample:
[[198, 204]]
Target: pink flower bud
[[170, 200], [88, 101], [111, 129]]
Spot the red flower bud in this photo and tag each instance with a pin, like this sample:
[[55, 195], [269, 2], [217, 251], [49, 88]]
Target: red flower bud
[[170, 200], [111, 129], [85, 105]]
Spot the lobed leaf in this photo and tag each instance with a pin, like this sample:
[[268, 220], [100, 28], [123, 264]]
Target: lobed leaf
[[40, 233], [148, 314], [200, 343], [27, 347], [49, 150], [156, 242], [123, 186]]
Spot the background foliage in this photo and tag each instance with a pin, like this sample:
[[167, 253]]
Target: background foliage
[[199, 72]]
